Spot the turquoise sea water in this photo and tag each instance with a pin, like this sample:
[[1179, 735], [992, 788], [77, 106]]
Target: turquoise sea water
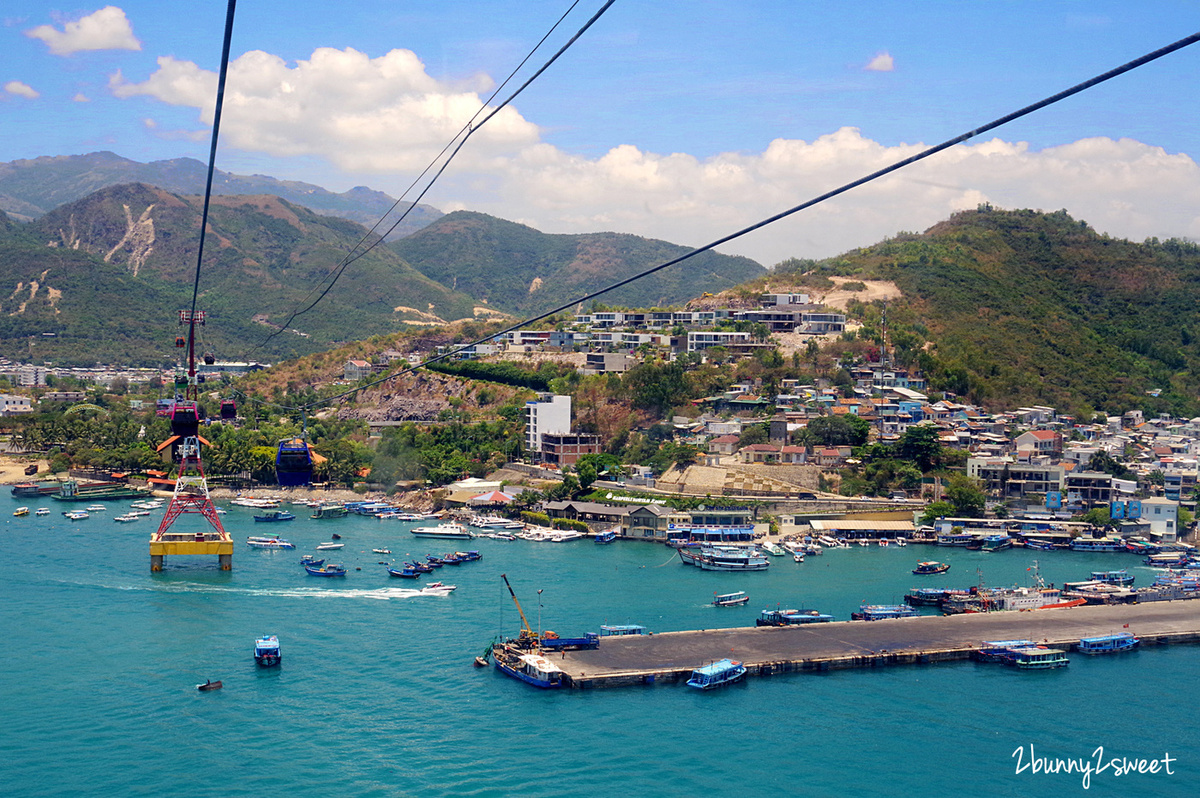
[[377, 695]]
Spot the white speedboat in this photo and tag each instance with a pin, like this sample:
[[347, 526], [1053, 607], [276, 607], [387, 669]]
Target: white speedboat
[[329, 546], [448, 530]]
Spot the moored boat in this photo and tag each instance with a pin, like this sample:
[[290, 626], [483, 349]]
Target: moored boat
[[266, 651], [403, 573], [274, 516], [1039, 658], [790, 617], [608, 536], [325, 570], [724, 558], [530, 667], [1120, 577], [622, 630], [448, 531], [1108, 644], [717, 674], [883, 612], [325, 511], [1000, 650]]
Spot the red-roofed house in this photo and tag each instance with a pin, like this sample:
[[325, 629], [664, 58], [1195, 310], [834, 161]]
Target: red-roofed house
[[725, 444], [1041, 442], [759, 453]]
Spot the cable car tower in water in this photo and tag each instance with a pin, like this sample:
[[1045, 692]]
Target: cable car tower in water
[[191, 490]]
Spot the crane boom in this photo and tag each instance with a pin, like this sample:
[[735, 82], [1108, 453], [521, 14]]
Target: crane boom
[[526, 632]]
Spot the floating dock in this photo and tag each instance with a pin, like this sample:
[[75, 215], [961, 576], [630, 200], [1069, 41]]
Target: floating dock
[[769, 650]]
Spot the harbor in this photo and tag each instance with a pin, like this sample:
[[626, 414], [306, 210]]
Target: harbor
[[768, 651]]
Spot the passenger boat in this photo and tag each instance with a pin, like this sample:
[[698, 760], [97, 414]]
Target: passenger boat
[[330, 546], [21, 511], [607, 536], [1121, 577], [997, 543], [448, 531], [404, 573], [931, 568], [955, 538], [1098, 544], [1108, 644], [883, 612], [1000, 650], [730, 599], [329, 511], [790, 617], [325, 570], [1167, 559], [528, 666], [269, 542], [774, 549], [266, 651], [1039, 544], [1039, 658], [274, 516], [256, 503], [724, 558], [622, 630], [718, 674], [42, 511]]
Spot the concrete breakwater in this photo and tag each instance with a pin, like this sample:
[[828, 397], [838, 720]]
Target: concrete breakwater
[[671, 656]]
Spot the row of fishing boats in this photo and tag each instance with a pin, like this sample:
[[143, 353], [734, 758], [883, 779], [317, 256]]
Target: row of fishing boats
[[1030, 655]]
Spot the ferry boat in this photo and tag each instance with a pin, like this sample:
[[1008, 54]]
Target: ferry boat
[[1108, 644], [530, 667], [269, 542], [1000, 650], [931, 567], [724, 558], [1098, 544], [718, 674], [448, 531], [955, 538], [607, 536], [330, 511], [790, 617], [274, 516], [325, 570], [1121, 577], [1039, 658], [730, 599], [883, 612], [622, 630], [997, 543], [266, 651], [20, 511]]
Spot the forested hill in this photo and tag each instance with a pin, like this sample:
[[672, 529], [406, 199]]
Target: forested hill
[[523, 271], [106, 275], [1021, 307]]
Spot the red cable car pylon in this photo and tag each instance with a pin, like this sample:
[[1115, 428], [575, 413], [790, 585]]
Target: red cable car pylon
[[191, 495]]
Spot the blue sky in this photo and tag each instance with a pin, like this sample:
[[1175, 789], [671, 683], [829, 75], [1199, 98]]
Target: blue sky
[[674, 120]]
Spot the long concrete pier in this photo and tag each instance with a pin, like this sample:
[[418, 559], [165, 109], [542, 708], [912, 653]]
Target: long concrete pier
[[671, 656]]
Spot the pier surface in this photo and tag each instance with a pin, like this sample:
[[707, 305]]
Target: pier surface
[[768, 650]]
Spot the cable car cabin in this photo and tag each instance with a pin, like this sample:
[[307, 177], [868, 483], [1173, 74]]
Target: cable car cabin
[[180, 342], [185, 419], [228, 409], [209, 358], [293, 463]]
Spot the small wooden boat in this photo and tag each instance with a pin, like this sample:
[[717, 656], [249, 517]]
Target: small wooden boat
[[325, 570], [931, 568], [209, 685], [308, 559]]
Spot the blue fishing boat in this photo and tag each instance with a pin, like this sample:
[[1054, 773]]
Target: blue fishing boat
[[527, 666], [468, 556], [404, 573], [419, 567], [266, 651], [325, 570], [607, 537], [1121, 577], [308, 559], [997, 543], [1108, 644], [1039, 544], [272, 516], [434, 560], [717, 674]]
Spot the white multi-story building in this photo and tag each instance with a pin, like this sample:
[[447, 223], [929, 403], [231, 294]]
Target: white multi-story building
[[549, 414]]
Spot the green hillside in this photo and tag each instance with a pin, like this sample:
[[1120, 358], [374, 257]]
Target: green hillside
[[1021, 307], [523, 271], [107, 274]]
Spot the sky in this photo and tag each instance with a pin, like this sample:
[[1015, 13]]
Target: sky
[[683, 121]]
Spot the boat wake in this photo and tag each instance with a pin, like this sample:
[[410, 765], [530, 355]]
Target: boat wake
[[379, 594]]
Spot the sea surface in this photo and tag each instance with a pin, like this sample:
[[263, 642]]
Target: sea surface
[[377, 695]]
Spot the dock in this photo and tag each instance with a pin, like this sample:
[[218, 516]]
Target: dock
[[770, 650]]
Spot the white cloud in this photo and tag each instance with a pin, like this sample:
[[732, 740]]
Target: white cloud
[[882, 62], [106, 29], [21, 89], [80, 97], [380, 120]]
